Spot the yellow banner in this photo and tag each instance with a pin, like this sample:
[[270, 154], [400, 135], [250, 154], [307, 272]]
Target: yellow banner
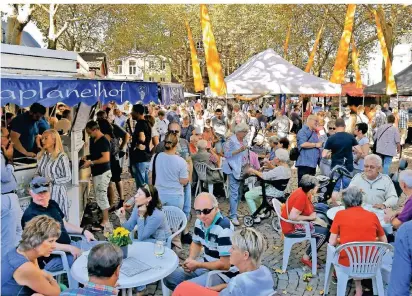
[[314, 49], [356, 65], [214, 68], [197, 75], [390, 79], [341, 61], [286, 45]]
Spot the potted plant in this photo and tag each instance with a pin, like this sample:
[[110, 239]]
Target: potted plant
[[121, 237]]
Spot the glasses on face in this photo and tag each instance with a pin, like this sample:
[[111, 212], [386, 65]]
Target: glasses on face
[[372, 167], [38, 185], [332, 128], [173, 131], [204, 211]]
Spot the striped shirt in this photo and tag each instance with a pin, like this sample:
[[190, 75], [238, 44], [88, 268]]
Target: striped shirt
[[403, 118], [215, 239], [90, 289]]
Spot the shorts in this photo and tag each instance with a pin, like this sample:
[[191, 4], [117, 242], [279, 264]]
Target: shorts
[[116, 171], [100, 185], [342, 183]]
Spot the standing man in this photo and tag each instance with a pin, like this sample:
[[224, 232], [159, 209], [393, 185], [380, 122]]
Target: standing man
[[281, 124], [309, 147], [24, 129], [140, 149], [119, 118], [220, 127], [380, 118], [161, 125], [99, 161]]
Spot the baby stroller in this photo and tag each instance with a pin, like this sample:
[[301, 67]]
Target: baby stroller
[[266, 207]]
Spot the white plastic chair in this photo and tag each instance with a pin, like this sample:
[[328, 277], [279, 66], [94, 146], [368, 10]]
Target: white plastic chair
[[288, 242], [219, 273], [201, 170], [177, 221], [66, 268], [365, 260]]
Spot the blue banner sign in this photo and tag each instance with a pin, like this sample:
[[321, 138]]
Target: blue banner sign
[[25, 92]]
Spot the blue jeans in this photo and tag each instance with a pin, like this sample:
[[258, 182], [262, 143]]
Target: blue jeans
[[199, 276], [11, 230], [387, 160], [343, 183], [234, 186], [141, 174], [172, 200], [188, 200]]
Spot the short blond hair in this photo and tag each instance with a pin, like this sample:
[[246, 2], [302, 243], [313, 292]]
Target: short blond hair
[[37, 230]]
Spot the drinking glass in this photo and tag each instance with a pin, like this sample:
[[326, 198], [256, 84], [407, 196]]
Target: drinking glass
[[159, 249]]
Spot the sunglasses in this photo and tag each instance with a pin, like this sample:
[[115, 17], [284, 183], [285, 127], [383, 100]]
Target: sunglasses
[[204, 211], [332, 128], [35, 186], [173, 131]]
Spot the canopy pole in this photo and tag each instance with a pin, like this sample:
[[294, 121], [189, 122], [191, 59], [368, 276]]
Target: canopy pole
[[340, 105], [363, 101]]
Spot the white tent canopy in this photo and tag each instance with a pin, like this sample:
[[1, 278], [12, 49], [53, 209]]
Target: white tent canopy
[[189, 95], [267, 72]]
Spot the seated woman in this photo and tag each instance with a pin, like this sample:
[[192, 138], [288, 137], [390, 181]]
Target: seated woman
[[248, 246], [355, 224], [299, 207], [280, 172], [148, 216], [273, 143], [20, 272], [211, 159]]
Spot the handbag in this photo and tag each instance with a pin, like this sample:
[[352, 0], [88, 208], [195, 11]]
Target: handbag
[[300, 227], [295, 151], [154, 169], [376, 142]]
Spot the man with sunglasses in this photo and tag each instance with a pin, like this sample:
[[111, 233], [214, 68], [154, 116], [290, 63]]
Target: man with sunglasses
[[212, 233], [41, 204], [10, 208]]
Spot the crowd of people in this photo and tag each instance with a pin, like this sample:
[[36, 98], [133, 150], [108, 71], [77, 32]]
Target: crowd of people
[[241, 143]]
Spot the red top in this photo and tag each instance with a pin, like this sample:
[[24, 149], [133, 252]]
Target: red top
[[300, 201], [355, 225]]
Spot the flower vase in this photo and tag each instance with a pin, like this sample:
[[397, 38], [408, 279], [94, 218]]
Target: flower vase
[[125, 250]]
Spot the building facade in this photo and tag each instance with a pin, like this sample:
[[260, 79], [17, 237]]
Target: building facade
[[141, 66]]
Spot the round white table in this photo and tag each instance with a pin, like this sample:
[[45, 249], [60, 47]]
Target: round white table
[[143, 251], [331, 213]]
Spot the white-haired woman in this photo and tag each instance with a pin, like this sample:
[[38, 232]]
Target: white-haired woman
[[235, 155], [248, 246], [212, 160], [355, 224], [279, 171], [54, 165]]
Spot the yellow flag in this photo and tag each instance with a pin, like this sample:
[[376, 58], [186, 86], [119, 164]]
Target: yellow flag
[[197, 75], [390, 79], [286, 45], [314, 49], [356, 65], [214, 68], [341, 61]]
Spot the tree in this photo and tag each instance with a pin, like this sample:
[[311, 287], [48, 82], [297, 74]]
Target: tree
[[18, 16]]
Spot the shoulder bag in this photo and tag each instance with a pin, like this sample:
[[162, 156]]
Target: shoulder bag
[[295, 152], [154, 169]]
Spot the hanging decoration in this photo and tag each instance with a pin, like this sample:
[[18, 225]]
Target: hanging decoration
[[314, 49], [286, 45], [197, 75], [341, 62], [214, 67]]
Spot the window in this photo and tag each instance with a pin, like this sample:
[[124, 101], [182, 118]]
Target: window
[[119, 67], [162, 79], [163, 65], [151, 79], [151, 65], [132, 67]]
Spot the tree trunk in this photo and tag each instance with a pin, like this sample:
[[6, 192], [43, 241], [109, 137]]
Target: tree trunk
[[16, 22]]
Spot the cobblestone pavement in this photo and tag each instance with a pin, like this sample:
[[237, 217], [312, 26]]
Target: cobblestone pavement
[[289, 283]]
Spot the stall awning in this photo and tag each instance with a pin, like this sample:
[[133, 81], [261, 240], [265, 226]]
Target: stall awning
[[172, 93], [403, 84], [25, 92]]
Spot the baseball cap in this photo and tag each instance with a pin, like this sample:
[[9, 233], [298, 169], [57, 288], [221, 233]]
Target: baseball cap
[[39, 184]]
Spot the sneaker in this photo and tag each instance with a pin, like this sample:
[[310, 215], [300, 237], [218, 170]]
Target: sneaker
[[186, 238], [257, 220], [235, 221]]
